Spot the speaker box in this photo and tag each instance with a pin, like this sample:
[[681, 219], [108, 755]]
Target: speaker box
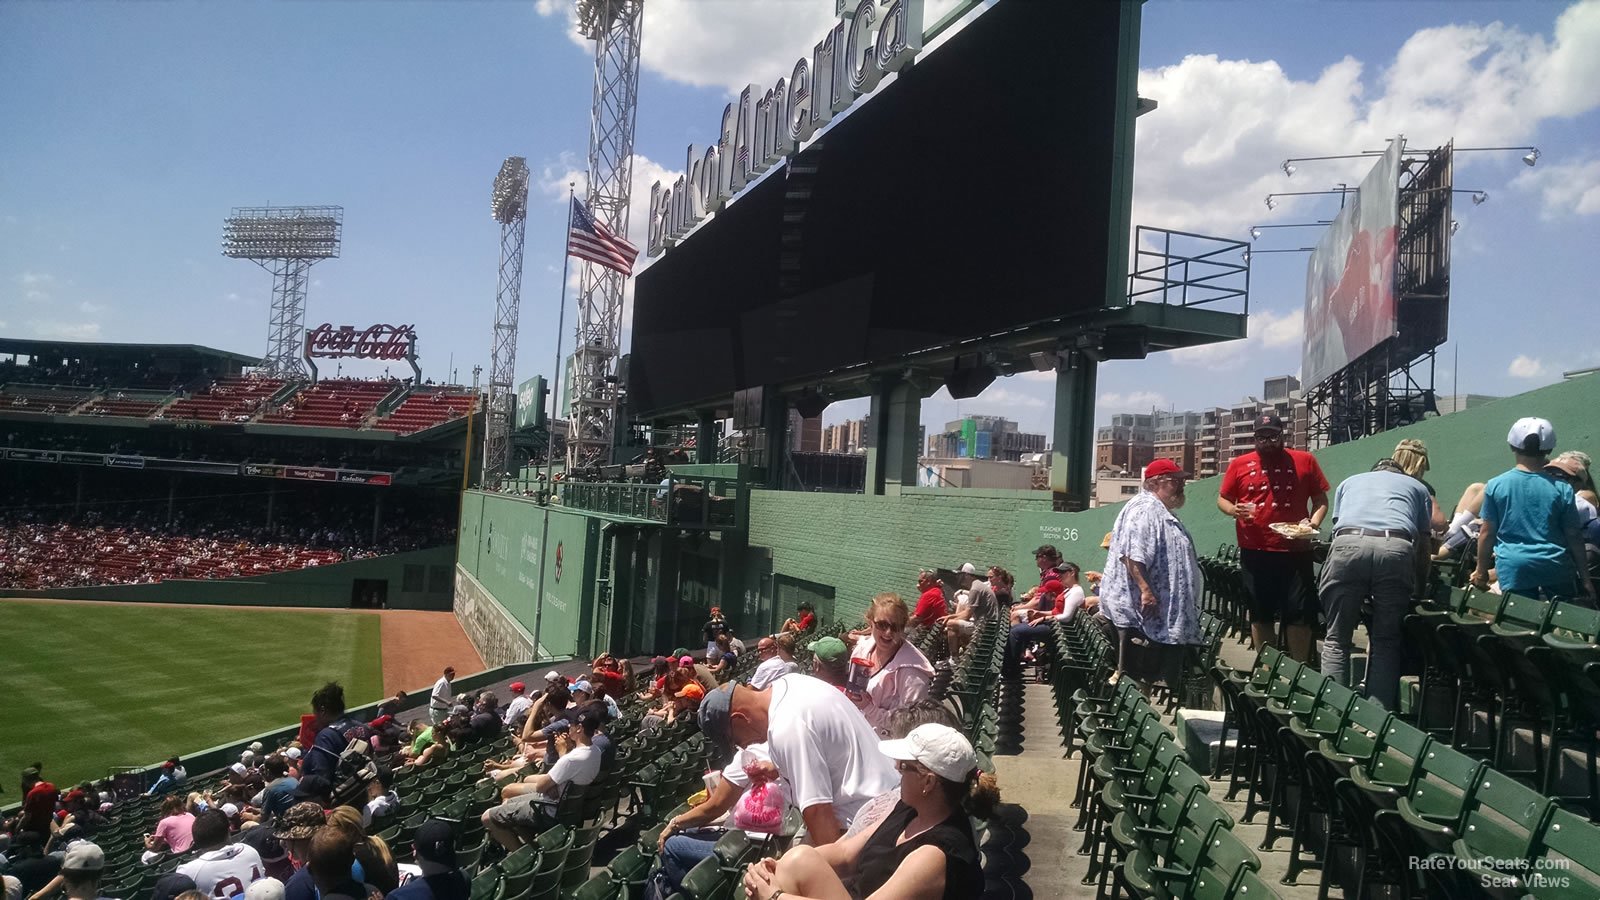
[[809, 405], [969, 378]]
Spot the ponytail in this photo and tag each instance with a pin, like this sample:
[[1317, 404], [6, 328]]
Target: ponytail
[[978, 796]]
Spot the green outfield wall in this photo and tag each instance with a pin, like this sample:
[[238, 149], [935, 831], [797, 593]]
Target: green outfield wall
[[419, 579], [498, 566]]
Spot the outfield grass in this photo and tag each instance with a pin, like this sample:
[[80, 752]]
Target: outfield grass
[[92, 685]]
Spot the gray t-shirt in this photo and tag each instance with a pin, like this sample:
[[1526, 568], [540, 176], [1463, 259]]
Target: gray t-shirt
[[984, 603]]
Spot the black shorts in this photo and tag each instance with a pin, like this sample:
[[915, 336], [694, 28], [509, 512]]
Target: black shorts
[[1282, 586]]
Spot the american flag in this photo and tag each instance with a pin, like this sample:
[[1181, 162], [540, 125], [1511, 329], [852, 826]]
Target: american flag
[[589, 240]]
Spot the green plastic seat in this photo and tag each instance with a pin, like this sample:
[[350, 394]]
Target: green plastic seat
[[520, 860], [1566, 865], [702, 881], [599, 887], [575, 871], [1441, 794], [1506, 820], [486, 886]]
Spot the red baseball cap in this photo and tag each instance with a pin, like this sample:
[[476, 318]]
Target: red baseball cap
[[1163, 467], [518, 687], [1052, 587]]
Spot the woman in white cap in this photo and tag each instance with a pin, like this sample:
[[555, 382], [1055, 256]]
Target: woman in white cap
[[924, 848]]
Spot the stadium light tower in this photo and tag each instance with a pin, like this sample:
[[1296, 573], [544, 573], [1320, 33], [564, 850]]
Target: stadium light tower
[[286, 241], [614, 26], [509, 204]]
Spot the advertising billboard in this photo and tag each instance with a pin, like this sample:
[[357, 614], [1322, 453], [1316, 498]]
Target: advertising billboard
[[968, 198], [530, 401], [1350, 281]]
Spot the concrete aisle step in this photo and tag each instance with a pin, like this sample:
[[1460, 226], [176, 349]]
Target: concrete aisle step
[[1039, 779], [1037, 776]]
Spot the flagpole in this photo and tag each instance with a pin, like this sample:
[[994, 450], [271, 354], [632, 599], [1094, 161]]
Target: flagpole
[[550, 448]]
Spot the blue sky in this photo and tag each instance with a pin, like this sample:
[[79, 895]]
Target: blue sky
[[132, 128]]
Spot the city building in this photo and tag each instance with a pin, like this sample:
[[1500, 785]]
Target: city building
[[978, 473], [1201, 442], [1127, 445], [984, 437], [1454, 403], [1176, 437], [846, 437], [1109, 489]]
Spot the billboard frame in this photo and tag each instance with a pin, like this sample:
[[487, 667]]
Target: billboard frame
[[1393, 383]]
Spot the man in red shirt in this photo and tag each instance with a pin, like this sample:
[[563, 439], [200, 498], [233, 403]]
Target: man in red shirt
[[1276, 484], [931, 604]]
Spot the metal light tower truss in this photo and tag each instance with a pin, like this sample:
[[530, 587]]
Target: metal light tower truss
[[510, 208], [286, 241], [614, 26]]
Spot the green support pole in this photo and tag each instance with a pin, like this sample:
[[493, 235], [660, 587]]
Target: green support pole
[[892, 440], [1072, 439], [705, 438], [775, 419]]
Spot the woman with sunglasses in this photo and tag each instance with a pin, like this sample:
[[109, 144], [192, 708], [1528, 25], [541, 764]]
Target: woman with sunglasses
[[896, 673], [925, 848]]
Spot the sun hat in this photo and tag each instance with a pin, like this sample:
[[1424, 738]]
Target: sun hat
[[939, 747]]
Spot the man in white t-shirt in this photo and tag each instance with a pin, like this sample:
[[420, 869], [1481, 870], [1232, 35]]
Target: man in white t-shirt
[[823, 747], [442, 698], [773, 666], [518, 707], [530, 804], [222, 870]]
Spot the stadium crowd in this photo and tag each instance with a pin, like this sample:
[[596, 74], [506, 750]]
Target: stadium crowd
[[44, 545], [835, 733]]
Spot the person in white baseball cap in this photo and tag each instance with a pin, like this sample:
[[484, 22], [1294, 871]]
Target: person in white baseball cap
[[1531, 528], [925, 845]]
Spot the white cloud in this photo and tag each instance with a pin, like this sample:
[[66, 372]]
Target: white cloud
[[35, 279], [1279, 330], [1527, 367], [1132, 401], [1268, 330], [731, 44], [1564, 189], [66, 331], [1208, 155], [90, 309], [1005, 397]]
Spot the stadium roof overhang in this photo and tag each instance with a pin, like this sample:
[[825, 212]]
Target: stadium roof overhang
[[1149, 327], [89, 349]]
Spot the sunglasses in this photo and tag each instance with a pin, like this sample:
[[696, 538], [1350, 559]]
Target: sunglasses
[[886, 625], [909, 766]]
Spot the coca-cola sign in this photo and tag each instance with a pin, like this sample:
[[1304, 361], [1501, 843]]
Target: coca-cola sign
[[376, 342]]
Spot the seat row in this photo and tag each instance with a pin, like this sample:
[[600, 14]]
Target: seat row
[[1378, 804], [1151, 828]]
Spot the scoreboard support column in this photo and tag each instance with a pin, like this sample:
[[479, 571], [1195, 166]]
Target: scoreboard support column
[[1072, 433]]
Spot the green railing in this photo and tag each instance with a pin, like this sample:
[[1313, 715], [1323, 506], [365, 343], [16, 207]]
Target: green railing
[[682, 502], [634, 501]]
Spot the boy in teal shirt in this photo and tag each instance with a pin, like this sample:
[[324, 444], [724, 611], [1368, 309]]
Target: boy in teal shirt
[[1530, 524]]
